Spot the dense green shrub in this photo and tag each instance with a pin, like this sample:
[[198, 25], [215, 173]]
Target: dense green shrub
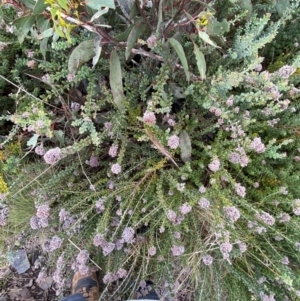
[[166, 148]]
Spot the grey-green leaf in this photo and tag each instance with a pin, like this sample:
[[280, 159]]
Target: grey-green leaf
[[126, 6], [33, 140], [23, 25], [97, 4], [99, 13], [135, 33], [177, 46], [201, 63], [46, 34], [185, 146], [281, 6], [39, 7], [80, 55], [115, 79], [97, 50], [205, 37]]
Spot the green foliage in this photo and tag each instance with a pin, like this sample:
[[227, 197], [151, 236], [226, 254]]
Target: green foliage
[[186, 179]]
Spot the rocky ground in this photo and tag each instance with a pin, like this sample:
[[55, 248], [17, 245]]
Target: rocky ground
[[25, 286]]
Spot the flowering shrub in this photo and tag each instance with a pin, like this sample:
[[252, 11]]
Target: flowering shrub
[[173, 160]]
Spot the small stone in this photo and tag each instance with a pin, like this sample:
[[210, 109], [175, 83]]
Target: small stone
[[29, 284], [45, 284], [25, 293], [18, 259]]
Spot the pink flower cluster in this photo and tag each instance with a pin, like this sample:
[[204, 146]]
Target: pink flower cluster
[[202, 189], [100, 207], [113, 151], [296, 207], [173, 142], [116, 168], [207, 260], [204, 203], [58, 275], [40, 220], [81, 261], [239, 157], [112, 277], [214, 165], [107, 247], [185, 208], [149, 118], [152, 251], [240, 190], [3, 215], [53, 155], [257, 145], [94, 161], [284, 218], [177, 250], [128, 235], [256, 228], [266, 218], [66, 219], [55, 243], [232, 213], [39, 150], [286, 71]]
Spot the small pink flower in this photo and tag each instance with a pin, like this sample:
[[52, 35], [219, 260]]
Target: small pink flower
[[149, 118], [218, 112], [240, 190], [121, 273], [185, 208], [116, 168], [177, 250], [207, 260], [152, 251], [171, 215], [173, 142], [214, 165], [202, 189], [229, 101], [113, 151], [204, 203], [94, 162]]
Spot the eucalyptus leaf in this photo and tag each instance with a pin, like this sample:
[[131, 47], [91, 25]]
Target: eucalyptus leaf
[[282, 6], [23, 25], [218, 28], [59, 136], [205, 37], [201, 63], [126, 7], [97, 49], [125, 34], [135, 33], [33, 140], [98, 4], [185, 146], [39, 7], [63, 4], [46, 34], [160, 17], [29, 3], [178, 48], [115, 79], [80, 55], [99, 14]]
